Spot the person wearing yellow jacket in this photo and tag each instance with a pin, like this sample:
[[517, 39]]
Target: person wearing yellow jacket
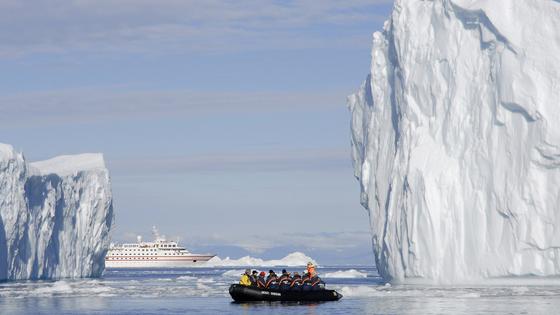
[[246, 278]]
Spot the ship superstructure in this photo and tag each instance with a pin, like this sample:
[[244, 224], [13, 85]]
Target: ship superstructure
[[160, 253]]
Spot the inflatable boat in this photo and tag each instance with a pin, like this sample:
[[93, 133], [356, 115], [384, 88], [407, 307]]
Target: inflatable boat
[[240, 293]]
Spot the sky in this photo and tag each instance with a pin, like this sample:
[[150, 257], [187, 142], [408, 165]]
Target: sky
[[223, 123]]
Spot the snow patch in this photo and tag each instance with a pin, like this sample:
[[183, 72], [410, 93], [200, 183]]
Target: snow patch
[[6, 151], [70, 164]]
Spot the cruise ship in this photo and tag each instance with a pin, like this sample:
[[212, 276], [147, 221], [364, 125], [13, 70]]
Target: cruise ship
[[160, 253]]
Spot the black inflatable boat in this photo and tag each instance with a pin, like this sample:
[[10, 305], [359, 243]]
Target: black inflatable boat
[[240, 293]]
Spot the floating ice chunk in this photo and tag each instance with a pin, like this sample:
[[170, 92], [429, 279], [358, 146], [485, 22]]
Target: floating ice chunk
[[351, 273], [187, 278], [236, 273], [359, 291]]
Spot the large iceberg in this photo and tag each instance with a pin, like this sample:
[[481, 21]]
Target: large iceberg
[[456, 140], [55, 216]]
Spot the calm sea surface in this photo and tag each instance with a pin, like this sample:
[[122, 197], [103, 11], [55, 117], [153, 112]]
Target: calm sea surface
[[205, 291]]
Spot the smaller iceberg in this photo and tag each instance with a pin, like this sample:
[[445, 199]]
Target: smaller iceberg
[[55, 216], [295, 259]]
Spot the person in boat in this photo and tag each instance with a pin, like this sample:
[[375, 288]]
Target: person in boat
[[246, 278], [285, 280], [296, 282], [312, 282], [306, 282], [316, 282], [261, 281], [254, 277], [311, 268], [272, 280]]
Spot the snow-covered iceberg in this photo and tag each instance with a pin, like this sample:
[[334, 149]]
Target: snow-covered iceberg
[[456, 140], [55, 216], [294, 259]]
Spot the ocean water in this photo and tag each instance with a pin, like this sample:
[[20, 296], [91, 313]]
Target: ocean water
[[205, 291]]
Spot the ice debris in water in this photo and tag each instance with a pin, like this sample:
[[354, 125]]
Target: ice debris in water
[[456, 140], [55, 216]]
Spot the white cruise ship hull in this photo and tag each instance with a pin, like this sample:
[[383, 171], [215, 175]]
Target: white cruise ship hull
[[155, 262]]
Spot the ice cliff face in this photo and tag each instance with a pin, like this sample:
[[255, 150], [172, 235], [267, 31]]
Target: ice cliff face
[[55, 216], [456, 140]]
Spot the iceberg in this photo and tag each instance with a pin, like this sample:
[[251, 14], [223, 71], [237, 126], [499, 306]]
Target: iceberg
[[456, 140], [294, 259], [55, 216]]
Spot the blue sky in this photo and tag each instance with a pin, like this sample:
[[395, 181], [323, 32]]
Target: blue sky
[[222, 122]]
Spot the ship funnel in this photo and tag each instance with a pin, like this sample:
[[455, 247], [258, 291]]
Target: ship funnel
[[139, 238], [155, 233]]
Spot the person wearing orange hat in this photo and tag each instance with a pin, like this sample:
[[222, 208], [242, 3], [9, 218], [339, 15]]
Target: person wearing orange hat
[[261, 282]]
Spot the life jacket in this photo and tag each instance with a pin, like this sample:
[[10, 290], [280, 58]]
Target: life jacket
[[315, 281], [261, 282], [271, 280], [285, 279], [296, 282]]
